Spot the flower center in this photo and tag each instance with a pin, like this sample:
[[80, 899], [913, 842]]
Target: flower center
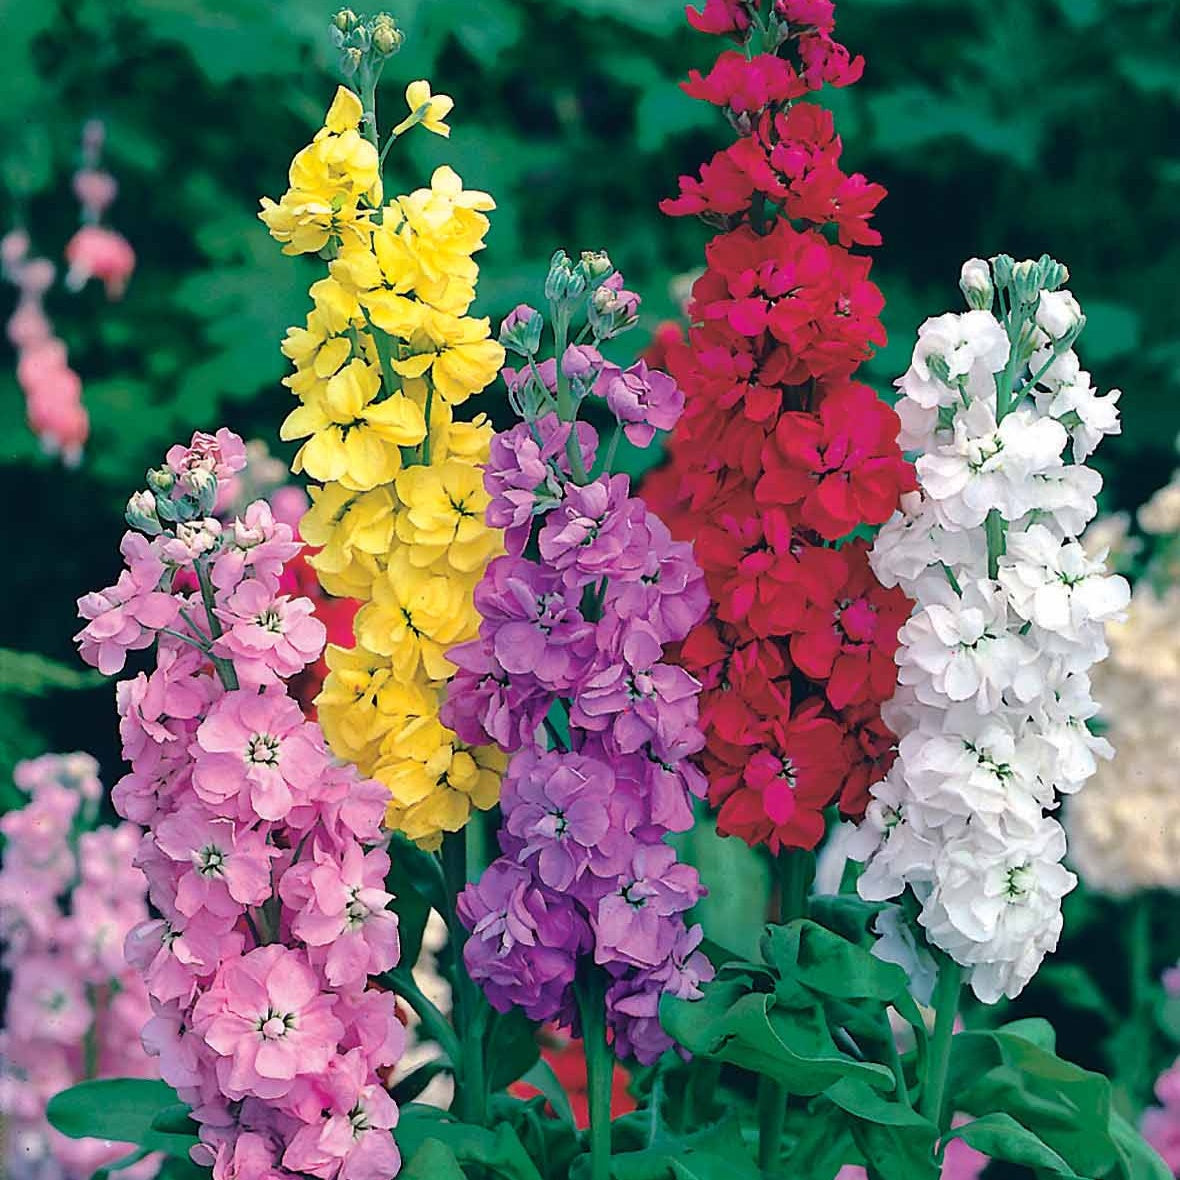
[[263, 749], [275, 1024], [210, 861], [270, 620]]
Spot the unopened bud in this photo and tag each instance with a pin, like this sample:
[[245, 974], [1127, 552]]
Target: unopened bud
[[564, 281], [1026, 280], [161, 480], [1054, 274], [387, 37], [975, 281], [345, 20], [350, 61], [1002, 267], [521, 330], [597, 265], [141, 514]]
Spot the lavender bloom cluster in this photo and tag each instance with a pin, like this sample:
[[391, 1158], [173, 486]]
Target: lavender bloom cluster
[[576, 620]]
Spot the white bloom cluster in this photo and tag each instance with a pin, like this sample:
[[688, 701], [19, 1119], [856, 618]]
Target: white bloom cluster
[[994, 692]]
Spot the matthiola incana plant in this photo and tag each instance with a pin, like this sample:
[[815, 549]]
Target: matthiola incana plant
[[836, 644]]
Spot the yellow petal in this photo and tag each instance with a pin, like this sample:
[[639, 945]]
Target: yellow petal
[[345, 112]]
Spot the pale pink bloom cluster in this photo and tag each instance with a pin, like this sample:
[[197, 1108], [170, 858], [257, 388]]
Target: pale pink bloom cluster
[[95, 251], [53, 391], [262, 853], [68, 898]]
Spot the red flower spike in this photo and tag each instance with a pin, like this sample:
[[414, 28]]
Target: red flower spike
[[780, 454]]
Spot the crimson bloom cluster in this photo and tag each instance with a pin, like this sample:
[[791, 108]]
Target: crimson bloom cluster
[[260, 850], [781, 455], [570, 675]]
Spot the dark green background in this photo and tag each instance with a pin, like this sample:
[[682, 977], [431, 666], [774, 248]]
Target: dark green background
[[1024, 126]]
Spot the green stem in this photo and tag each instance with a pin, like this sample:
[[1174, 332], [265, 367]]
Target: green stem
[[567, 407], [795, 873], [426, 414], [1139, 962], [772, 1117], [996, 544], [600, 1064], [434, 1023], [470, 1008], [225, 668], [368, 97], [946, 1009], [893, 1060]]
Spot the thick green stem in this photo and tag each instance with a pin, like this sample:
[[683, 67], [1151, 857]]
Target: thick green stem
[[772, 1116], [946, 1009], [996, 544], [434, 1023], [796, 869], [600, 1065], [470, 1008]]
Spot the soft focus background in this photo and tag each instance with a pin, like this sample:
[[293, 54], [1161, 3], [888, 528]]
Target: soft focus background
[[1024, 126]]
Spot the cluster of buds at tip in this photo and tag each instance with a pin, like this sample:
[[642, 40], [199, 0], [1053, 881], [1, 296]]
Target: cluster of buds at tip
[[1032, 291], [568, 281], [364, 42]]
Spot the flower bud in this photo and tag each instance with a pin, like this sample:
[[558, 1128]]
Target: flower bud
[[350, 61], [161, 481], [975, 281], [521, 330], [1058, 314], [1053, 273], [141, 514], [596, 266], [1026, 281], [345, 20], [1002, 268], [387, 37], [564, 281]]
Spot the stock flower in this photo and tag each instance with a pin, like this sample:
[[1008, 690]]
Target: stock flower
[[268, 1021], [355, 439], [425, 108], [270, 637], [442, 516]]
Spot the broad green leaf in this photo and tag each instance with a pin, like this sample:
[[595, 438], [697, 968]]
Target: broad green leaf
[[1000, 1136], [511, 1047], [791, 1045], [433, 1160], [716, 1153], [498, 1151], [120, 1109], [1137, 1159]]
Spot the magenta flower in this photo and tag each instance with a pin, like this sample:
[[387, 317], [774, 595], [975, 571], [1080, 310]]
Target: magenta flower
[[269, 637], [633, 696], [226, 867], [643, 400], [340, 905], [255, 753], [557, 806], [126, 616], [269, 1022], [597, 531]]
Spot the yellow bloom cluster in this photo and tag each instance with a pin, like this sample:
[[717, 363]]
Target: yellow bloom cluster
[[386, 355]]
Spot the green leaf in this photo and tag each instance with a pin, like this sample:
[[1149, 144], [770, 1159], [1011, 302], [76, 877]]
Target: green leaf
[[791, 1045], [410, 901], [433, 1160], [1076, 987], [898, 1140], [1137, 1159], [512, 1047], [1000, 1136], [498, 1151], [121, 1109], [416, 1081], [541, 1077], [716, 1153]]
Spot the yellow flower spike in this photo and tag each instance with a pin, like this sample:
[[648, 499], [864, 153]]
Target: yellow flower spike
[[457, 351], [338, 307], [425, 108]]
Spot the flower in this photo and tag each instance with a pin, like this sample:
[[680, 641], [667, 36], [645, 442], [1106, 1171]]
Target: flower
[[269, 1023], [425, 108]]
